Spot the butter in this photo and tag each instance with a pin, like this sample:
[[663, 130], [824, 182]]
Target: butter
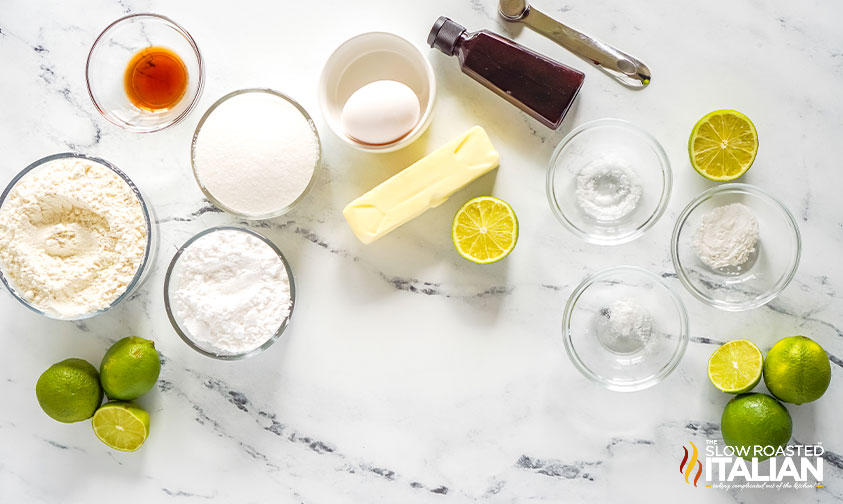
[[425, 184]]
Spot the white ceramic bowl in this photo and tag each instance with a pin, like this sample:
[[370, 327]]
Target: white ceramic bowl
[[371, 57]]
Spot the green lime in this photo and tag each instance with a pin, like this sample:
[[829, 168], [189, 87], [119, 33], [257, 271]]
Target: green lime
[[121, 425], [485, 230], [797, 370], [735, 367], [69, 391], [755, 420], [130, 368], [723, 145]]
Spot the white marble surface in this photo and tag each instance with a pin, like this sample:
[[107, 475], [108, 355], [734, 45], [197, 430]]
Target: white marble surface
[[410, 375]]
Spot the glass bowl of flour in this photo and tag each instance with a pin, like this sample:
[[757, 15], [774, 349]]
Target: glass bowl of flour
[[608, 181], [625, 328], [76, 236], [735, 247], [229, 293]]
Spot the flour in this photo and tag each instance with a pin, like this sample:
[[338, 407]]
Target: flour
[[231, 291], [624, 326], [607, 190], [256, 153], [72, 237], [727, 236]]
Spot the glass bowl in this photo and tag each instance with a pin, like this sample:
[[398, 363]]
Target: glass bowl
[[764, 276], [608, 181], [151, 234], [110, 55], [618, 356], [179, 326], [208, 194]]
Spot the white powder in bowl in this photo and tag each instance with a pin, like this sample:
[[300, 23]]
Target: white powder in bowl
[[624, 326], [231, 291], [607, 190], [256, 153], [727, 236], [72, 237]]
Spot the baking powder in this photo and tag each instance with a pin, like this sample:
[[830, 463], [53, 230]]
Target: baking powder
[[231, 291], [727, 236]]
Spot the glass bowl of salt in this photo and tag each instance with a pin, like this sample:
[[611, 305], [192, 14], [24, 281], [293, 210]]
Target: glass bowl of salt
[[608, 181], [735, 247], [625, 328]]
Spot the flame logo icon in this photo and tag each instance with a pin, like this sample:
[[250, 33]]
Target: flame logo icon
[[686, 467]]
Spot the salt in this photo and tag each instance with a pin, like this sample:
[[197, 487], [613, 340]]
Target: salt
[[624, 327], [255, 154]]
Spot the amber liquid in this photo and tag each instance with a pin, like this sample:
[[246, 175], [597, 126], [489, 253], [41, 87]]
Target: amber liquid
[[155, 79]]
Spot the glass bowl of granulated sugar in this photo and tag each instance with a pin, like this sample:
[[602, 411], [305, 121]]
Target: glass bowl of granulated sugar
[[608, 181], [255, 153], [735, 247], [229, 293], [76, 236], [625, 328]]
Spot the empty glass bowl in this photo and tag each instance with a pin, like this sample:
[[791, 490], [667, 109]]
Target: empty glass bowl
[[625, 328], [114, 49], [767, 272], [171, 280], [608, 181]]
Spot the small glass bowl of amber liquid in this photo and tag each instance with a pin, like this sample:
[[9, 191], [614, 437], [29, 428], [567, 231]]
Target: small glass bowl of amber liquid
[[145, 73]]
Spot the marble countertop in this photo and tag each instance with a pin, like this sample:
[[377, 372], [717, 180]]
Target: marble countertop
[[410, 375]]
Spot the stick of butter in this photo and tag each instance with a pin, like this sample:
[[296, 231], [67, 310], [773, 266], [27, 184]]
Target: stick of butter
[[425, 184]]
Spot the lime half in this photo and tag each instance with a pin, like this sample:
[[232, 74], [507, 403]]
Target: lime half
[[736, 366], [723, 145], [121, 425], [485, 230]]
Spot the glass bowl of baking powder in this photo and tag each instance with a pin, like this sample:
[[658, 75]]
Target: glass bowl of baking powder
[[78, 237], [608, 181], [229, 293], [735, 247]]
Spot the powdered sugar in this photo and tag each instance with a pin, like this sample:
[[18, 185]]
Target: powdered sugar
[[232, 291], [727, 236], [255, 153]]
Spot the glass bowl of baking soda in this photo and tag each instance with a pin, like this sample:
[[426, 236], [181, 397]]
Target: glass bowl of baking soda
[[735, 247], [625, 328], [608, 181]]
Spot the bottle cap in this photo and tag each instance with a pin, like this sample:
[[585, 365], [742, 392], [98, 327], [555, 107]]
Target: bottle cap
[[444, 35]]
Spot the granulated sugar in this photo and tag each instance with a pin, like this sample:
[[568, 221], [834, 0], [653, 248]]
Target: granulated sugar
[[232, 291], [256, 153]]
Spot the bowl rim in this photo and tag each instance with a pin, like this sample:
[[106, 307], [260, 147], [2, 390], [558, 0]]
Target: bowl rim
[[664, 198], [148, 220], [316, 168], [183, 334], [423, 122], [736, 187], [682, 337], [200, 79]]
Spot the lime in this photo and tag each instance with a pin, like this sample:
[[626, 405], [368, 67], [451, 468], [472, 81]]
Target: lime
[[485, 230], [121, 425], [130, 368], [69, 391], [797, 370], [723, 145], [736, 367], [755, 420]]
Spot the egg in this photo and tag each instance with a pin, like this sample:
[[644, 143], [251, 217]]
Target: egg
[[380, 112]]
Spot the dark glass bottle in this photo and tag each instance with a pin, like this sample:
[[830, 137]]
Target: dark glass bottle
[[539, 86]]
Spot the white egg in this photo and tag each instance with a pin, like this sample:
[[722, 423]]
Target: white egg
[[380, 112]]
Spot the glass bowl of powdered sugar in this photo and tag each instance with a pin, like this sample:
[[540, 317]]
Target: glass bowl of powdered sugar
[[625, 328], [735, 247], [229, 293], [608, 181]]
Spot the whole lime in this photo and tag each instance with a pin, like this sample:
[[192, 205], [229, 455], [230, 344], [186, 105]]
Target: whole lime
[[130, 368], [755, 420], [69, 391], [797, 370]]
